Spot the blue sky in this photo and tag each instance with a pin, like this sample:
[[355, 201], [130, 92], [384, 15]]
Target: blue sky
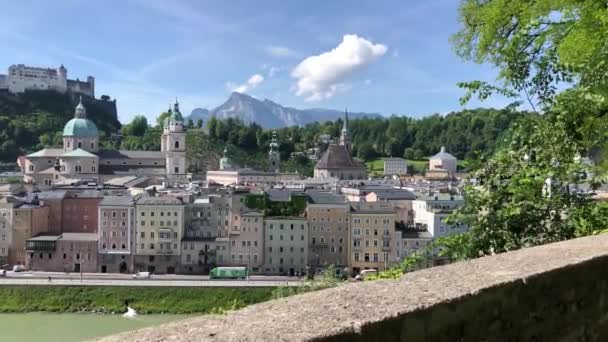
[[396, 57]]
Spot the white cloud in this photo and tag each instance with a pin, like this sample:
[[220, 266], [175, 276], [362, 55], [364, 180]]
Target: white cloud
[[280, 51], [322, 76], [253, 81]]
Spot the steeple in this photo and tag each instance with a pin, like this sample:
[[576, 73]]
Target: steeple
[[345, 138], [81, 111], [273, 155], [176, 106]]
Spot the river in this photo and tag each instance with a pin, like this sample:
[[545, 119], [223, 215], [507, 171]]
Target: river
[[71, 327]]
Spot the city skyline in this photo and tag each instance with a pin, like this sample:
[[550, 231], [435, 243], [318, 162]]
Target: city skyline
[[393, 59]]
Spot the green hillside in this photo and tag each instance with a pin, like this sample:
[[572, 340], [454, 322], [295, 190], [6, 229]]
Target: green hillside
[[35, 119]]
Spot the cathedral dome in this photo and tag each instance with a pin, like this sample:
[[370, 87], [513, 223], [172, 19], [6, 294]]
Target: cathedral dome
[[80, 127]]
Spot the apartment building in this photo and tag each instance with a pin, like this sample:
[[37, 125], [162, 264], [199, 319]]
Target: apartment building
[[247, 243], [431, 211], [68, 252], [29, 219], [327, 215], [116, 234], [158, 234], [285, 243], [79, 211], [371, 237]]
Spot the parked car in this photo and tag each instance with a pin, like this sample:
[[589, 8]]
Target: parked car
[[365, 273], [18, 268], [142, 275], [2, 273]]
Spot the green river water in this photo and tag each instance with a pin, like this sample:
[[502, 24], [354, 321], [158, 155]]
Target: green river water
[[70, 327]]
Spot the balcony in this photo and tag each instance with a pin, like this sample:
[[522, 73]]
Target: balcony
[[555, 292]]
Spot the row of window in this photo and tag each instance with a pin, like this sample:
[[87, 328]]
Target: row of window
[[245, 243], [282, 226], [367, 221], [322, 240], [123, 246], [162, 246], [114, 234], [115, 214], [357, 231], [385, 243], [281, 249], [282, 261], [162, 235], [161, 223], [374, 257], [291, 238], [162, 213], [114, 223]]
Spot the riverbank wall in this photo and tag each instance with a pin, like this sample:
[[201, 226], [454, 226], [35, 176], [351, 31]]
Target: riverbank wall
[[146, 300]]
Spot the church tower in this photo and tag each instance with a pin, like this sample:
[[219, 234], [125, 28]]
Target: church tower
[[173, 144], [274, 157], [345, 137]]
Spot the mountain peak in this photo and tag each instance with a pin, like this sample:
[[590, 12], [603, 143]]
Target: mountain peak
[[267, 113]]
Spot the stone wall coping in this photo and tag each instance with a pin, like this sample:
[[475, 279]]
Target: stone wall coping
[[349, 308]]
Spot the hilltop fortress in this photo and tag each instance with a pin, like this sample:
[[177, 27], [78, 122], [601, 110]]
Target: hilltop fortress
[[21, 77]]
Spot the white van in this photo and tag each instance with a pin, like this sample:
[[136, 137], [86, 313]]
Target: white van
[[142, 275], [366, 273]]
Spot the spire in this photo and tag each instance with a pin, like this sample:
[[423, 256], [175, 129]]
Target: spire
[[345, 138], [345, 124], [176, 106], [81, 111], [169, 111]]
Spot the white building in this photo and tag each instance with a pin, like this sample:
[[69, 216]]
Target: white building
[[431, 212], [395, 166], [443, 161], [286, 245], [21, 77]]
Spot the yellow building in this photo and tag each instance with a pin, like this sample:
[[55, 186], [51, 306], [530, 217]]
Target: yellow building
[[371, 236]]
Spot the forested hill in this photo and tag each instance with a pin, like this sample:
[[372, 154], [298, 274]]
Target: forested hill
[[466, 134], [35, 119]]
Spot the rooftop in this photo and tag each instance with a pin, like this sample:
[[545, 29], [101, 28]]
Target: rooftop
[[338, 157], [164, 200], [116, 201]]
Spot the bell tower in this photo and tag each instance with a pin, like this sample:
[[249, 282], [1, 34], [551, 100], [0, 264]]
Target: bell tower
[[173, 144], [274, 157]]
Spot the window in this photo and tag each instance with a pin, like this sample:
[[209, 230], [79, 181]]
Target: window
[[177, 144], [151, 246], [375, 257], [356, 257], [142, 246], [142, 235], [176, 170], [366, 257]]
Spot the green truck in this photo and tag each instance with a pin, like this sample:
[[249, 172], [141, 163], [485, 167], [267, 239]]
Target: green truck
[[228, 273]]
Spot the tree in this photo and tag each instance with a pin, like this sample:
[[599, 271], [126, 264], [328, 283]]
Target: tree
[[526, 194], [366, 152], [137, 127], [199, 123]]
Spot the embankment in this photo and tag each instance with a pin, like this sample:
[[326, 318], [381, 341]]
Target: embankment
[[174, 300]]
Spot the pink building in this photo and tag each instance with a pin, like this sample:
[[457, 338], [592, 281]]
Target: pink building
[[68, 252], [115, 232]]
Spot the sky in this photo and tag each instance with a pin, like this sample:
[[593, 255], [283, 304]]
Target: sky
[[387, 56]]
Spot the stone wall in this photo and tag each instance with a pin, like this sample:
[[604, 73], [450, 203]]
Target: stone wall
[[555, 292]]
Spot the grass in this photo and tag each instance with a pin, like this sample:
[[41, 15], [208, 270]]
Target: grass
[[146, 300], [375, 167]]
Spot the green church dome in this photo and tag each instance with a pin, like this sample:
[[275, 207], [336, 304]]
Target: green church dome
[[80, 127]]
